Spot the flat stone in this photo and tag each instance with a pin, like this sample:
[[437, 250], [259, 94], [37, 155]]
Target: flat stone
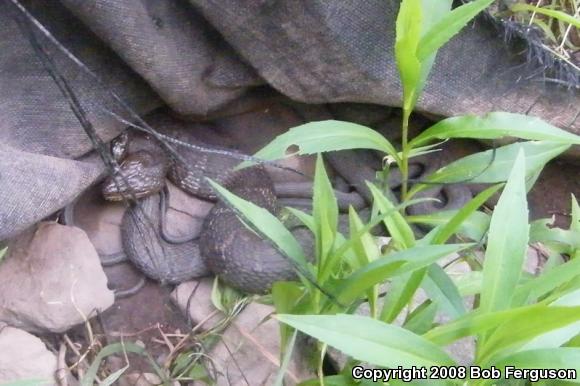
[[24, 357], [51, 280], [248, 351]]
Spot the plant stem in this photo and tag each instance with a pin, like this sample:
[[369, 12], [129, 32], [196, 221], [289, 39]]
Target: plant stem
[[404, 166], [322, 350]]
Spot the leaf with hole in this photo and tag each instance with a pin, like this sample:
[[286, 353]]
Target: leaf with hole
[[323, 136]]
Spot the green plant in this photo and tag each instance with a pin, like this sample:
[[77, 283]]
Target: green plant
[[526, 322], [348, 270]]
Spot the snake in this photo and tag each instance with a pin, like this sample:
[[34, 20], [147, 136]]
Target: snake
[[227, 247]]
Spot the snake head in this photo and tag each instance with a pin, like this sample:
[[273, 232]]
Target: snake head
[[141, 174]]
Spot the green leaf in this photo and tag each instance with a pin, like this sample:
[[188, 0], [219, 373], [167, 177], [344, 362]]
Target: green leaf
[[473, 227], [477, 169], [507, 242], [448, 26], [279, 381], [29, 382], [558, 239], [548, 12], [398, 228], [443, 290], [556, 358], [476, 323], [367, 250], [323, 136], [408, 35], [558, 336], [265, 223], [114, 376], [455, 222], [519, 330], [393, 264], [116, 348], [338, 380], [495, 125], [548, 281], [422, 317], [369, 340], [575, 224], [400, 293], [286, 296], [325, 213], [305, 218]]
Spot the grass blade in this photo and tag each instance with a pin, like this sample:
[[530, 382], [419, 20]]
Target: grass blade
[[495, 125], [408, 35], [548, 12], [396, 224], [397, 263], [324, 212], [477, 169], [367, 251], [476, 323], [443, 290], [557, 358], [400, 293], [473, 227], [548, 281], [448, 26], [116, 348], [521, 329], [455, 222], [369, 340], [507, 242], [265, 223]]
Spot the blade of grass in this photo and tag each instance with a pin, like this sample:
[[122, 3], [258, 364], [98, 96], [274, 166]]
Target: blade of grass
[[557, 358], [265, 223], [397, 263], [493, 126], [369, 340], [474, 227], [396, 224], [507, 242], [548, 281], [440, 33], [116, 348], [400, 293], [455, 222], [518, 330], [408, 34], [325, 213], [443, 290], [477, 168], [563, 16]]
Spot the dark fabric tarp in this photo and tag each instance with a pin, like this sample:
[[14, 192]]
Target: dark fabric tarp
[[199, 57]]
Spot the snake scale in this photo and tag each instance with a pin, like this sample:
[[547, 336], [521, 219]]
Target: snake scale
[[225, 247]]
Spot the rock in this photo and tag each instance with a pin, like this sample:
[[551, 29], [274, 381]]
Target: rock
[[24, 357], [193, 298], [249, 349], [51, 280], [142, 379]]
